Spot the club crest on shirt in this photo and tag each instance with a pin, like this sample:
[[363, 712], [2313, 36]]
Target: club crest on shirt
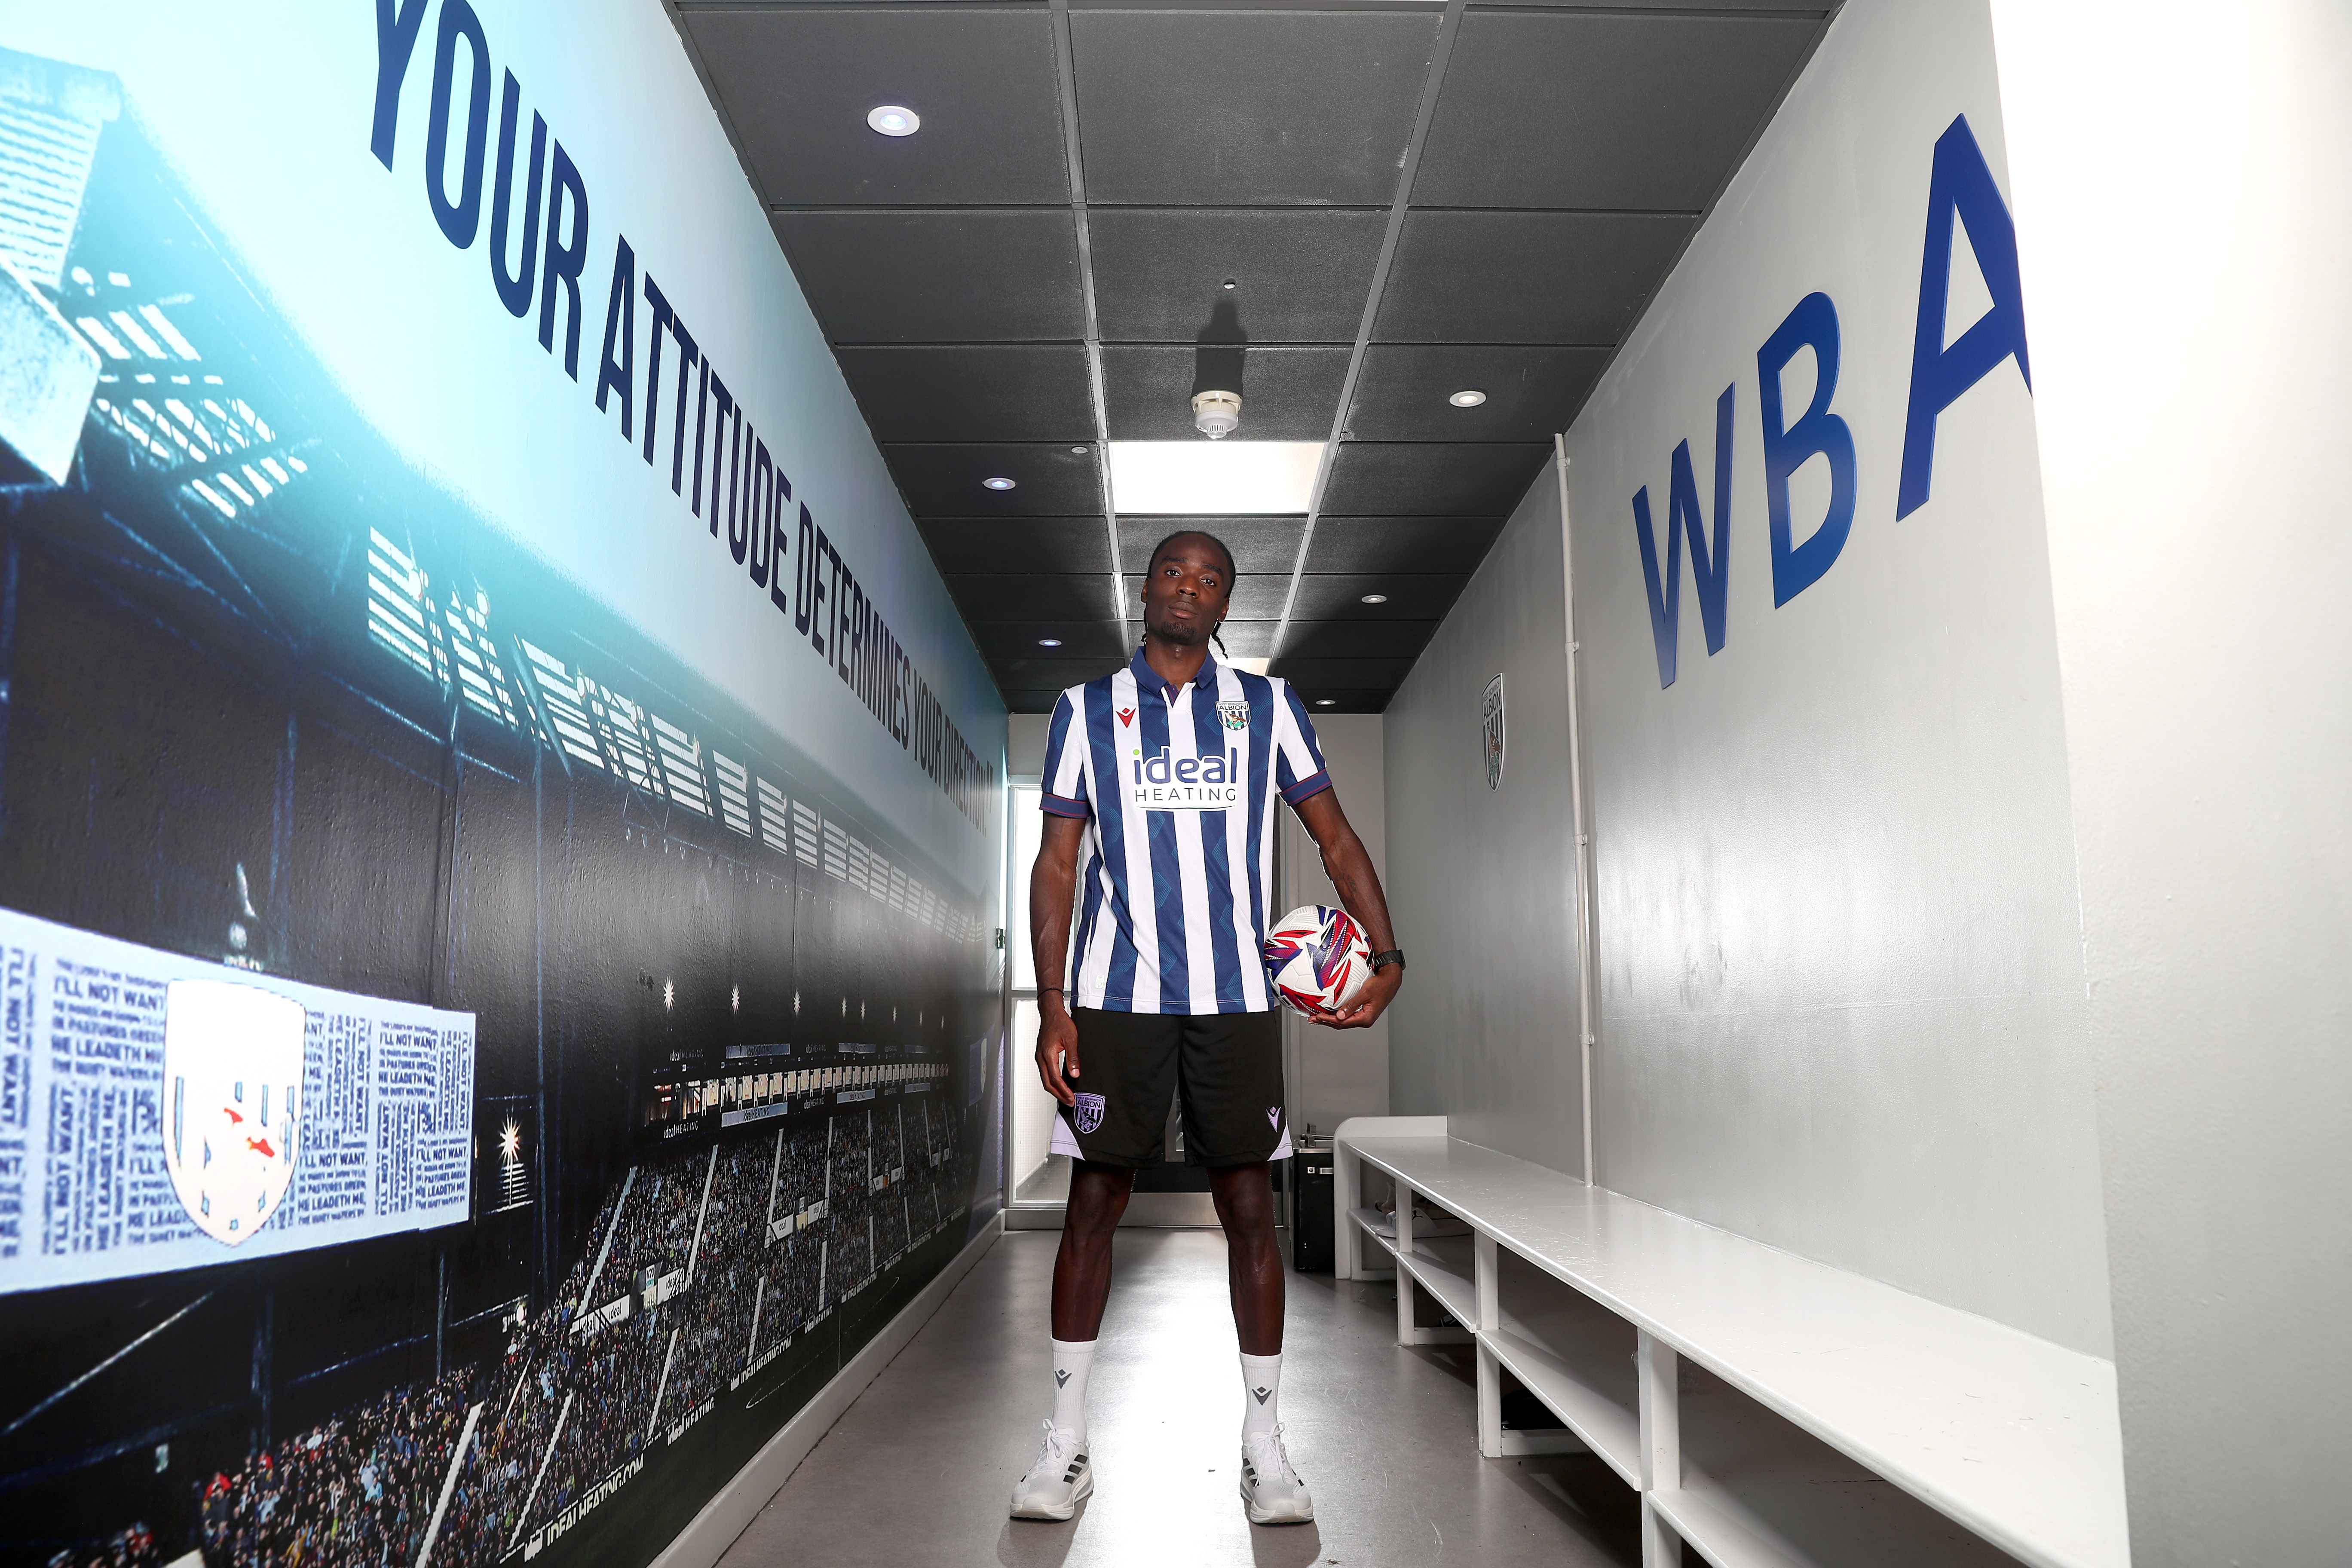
[[1089, 1108], [1234, 714]]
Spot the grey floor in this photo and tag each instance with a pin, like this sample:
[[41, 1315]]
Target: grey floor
[[918, 1470]]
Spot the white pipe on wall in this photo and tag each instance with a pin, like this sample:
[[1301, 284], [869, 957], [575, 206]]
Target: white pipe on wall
[[1576, 808]]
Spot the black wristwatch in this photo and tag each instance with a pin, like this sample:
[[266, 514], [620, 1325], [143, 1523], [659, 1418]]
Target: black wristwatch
[[1381, 960]]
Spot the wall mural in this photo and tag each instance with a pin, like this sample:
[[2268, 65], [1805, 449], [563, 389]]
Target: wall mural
[[459, 1076]]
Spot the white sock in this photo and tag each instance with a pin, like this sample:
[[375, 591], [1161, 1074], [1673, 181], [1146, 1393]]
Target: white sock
[[1073, 1358], [1261, 1392]]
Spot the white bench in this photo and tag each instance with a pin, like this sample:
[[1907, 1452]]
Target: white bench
[[1814, 1383]]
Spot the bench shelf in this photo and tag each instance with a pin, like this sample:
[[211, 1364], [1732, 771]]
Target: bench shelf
[[1441, 1265], [1784, 1412]]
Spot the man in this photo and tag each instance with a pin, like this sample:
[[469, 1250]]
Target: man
[[1166, 774]]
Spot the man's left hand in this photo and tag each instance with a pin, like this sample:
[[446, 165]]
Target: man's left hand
[[1371, 999]]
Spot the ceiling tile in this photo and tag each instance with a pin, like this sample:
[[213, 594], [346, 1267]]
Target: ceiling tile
[[1003, 640], [1255, 598], [1202, 109], [1524, 277], [795, 86], [1356, 638], [1018, 544], [1780, 6], [1017, 392], [1058, 674], [1243, 639], [1413, 478], [1029, 700], [1417, 597], [1288, 394], [1260, 544], [1440, 544], [1051, 478], [1300, 273], [1316, 677], [1531, 392], [1568, 109], [1333, 699], [980, 275], [1030, 595]]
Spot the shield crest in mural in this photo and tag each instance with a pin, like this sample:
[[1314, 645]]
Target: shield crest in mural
[[232, 1102], [1490, 719]]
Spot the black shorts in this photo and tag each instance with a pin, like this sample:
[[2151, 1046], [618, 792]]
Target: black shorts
[[1224, 1068]]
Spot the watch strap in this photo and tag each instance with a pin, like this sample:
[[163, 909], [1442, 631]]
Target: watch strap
[[1393, 956]]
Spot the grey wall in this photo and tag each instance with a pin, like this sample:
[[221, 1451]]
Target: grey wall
[[1485, 1029], [1338, 1073], [1839, 951], [2192, 407], [1024, 743]]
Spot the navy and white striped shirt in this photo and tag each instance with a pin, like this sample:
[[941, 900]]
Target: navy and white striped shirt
[[1180, 785]]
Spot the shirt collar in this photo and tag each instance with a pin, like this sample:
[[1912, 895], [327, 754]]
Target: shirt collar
[[1149, 680]]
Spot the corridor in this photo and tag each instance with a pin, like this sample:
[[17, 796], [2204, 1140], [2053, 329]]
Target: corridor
[[916, 1472]]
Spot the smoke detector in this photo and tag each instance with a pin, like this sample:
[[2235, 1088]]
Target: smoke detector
[[1216, 414]]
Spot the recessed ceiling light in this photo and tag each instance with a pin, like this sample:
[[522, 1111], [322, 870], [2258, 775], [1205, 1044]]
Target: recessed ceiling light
[[1077, 452], [1376, 598], [998, 483], [894, 120], [1324, 701], [1233, 283], [1469, 397], [1230, 478], [1049, 642]]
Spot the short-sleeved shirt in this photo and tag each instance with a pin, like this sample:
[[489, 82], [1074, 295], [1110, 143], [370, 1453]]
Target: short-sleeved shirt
[[1178, 785]]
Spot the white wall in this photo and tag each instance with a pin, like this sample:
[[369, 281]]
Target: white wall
[[1485, 1029], [1838, 946], [1839, 949], [1024, 743], [1338, 1073], [2186, 216]]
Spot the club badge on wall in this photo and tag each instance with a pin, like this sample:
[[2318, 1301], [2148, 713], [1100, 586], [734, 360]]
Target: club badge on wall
[[1490, 721], [233, 1063]]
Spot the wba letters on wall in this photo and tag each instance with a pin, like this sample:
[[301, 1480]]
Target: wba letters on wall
[[1962, 201]]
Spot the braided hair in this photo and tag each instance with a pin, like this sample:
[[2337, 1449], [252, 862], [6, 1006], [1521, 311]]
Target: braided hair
[[1160, 549]]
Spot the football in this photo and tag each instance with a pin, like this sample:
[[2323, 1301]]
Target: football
[[1317, 958]]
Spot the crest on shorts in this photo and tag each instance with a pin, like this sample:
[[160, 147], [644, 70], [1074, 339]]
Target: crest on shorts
[[1089, 1108], [1235, 713], [232, 1102]]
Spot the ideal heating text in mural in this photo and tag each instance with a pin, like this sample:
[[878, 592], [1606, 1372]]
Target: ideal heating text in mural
[[460, 1075]]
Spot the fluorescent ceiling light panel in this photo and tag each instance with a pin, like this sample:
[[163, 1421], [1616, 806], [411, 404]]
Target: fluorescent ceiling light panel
[[1227, 479]]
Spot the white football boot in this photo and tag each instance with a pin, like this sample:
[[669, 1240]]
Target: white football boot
[[1270, 1487], [1062, 1478]]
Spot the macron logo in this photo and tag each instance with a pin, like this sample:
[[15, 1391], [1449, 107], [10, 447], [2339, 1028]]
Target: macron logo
[[1127, 716]]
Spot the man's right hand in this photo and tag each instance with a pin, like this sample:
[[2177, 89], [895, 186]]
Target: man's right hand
[[1057, 1047]]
